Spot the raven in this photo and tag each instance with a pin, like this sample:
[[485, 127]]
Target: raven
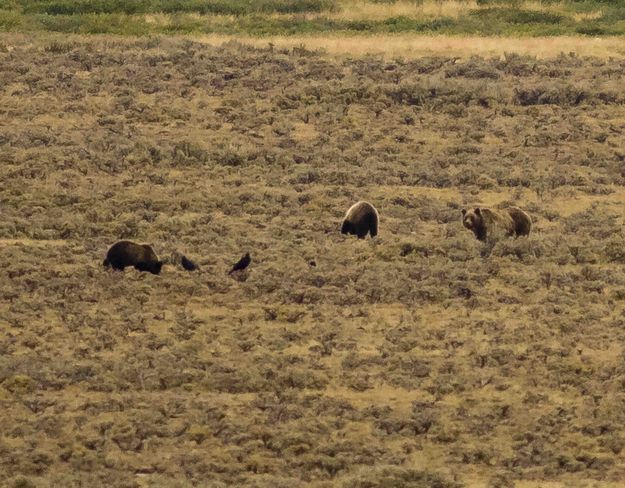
[[188, 264], [242, 263]]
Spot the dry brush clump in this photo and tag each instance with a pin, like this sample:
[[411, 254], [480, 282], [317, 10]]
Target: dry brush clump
[[394, 361]]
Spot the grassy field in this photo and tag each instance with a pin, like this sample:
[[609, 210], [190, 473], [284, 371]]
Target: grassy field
[[419, 359], [309, 17], [412, 46]]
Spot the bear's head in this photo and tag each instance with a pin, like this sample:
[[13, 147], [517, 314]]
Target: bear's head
[[153, 267], [473, 220]]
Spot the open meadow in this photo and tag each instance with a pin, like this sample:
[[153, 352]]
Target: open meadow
[[422, 358], [525, 18]]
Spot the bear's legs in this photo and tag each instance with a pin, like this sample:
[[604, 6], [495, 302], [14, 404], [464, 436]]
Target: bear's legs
[[373, 226], [142, 266]]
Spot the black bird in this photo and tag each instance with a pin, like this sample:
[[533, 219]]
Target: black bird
[[188, 264], [242, 263]]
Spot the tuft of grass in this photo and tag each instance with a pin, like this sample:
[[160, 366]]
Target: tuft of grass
[[10, 20]]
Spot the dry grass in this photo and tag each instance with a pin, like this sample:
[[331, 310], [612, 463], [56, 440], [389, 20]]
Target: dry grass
[[360, 10], [581, 16], [416, 46], [421, 358]]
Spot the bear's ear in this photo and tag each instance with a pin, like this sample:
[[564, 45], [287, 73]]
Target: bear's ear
[[464, 211], [478, 211]]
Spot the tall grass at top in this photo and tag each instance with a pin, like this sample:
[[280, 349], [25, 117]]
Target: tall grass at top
[[223, 7], [293, 17]]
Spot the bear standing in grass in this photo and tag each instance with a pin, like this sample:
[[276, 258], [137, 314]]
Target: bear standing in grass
[[360, 219], [127, 253], [512, 221]]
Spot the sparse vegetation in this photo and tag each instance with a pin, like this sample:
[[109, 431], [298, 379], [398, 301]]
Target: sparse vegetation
[[421, 358]]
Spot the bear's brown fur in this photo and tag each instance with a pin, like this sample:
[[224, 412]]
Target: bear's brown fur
[[127, 253], [512, 221], [360, 219]]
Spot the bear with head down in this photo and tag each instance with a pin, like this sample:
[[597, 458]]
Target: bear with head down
[[484, 222], [126, 253], [361, 219]]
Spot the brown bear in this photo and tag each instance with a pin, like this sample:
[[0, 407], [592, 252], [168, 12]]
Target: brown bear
[[484, 222], [127, 253], [360, 219]]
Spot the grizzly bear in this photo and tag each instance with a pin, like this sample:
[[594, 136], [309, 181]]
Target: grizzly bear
[[484, 222], [127, 253], [360, 219]]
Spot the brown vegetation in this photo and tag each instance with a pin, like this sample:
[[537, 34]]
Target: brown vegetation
[[415, 359], [411, 46]]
